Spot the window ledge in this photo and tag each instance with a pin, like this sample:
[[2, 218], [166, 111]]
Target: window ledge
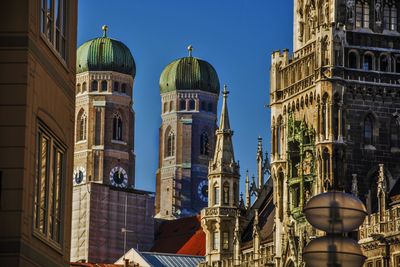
[[118, 142], [52, 244], [80, 142]]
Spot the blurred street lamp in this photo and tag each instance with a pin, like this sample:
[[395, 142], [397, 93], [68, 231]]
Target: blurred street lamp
[[335, 213]]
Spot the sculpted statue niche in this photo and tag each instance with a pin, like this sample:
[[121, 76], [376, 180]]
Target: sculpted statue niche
[[350, 11]]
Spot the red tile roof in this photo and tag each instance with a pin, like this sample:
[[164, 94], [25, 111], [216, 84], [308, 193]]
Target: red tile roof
[[182, 236]]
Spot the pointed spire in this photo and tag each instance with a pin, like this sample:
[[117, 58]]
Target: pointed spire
[[247, 189], [224, 159], [224, 120], [260, 163]]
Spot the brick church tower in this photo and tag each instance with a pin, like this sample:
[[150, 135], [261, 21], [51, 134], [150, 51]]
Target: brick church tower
[[104, 159], [189, 89]]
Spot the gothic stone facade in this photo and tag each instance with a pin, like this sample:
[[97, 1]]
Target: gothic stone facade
[[334, 110], [37, 81]]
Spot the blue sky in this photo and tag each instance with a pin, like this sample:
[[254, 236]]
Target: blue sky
[[236, 36]]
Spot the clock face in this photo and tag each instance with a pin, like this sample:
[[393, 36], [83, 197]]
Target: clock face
[[202, 190], [79, 176], [118, 177]]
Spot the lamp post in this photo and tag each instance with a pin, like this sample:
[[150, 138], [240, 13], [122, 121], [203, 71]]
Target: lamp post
[[335, 213]]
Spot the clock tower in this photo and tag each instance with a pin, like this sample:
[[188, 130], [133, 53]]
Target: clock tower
[[104, 158], [189, 89]]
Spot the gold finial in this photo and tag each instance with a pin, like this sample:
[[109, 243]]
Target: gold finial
[[190, 49], [225, 92], [105, 29]]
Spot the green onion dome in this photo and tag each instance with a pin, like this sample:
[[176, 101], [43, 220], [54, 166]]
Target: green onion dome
[[189, 73], [105, 54]]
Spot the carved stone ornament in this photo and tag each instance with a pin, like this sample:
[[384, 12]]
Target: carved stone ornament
[[350, 11]]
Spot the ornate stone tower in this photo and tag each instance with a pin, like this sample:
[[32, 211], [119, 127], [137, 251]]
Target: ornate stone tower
[[104, 148], [219, 219], [334, 110], [189, 90], [104, 159]]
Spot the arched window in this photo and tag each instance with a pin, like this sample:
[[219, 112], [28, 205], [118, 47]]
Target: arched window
[[84, 87], [279, 137], [393, 19], [182, 104], [116, 87], [384, 63], [123, 88], [216, 194], [94, 86], [170, 144], [395, 132], [325, 118], [104, 86], [165, 106], [281, 178], [368, 62], [368, 130], [362, 14], [226, 194], [353, 60], [78, 88], [192, 104], [326, 167], [386, 17], [171, 106], [397, 64], [235, 195], [81, 127], [204, 145], [117, 127]]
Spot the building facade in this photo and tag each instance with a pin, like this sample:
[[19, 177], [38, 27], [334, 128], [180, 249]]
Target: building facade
[[334, 111], [104, 198], [37, 81], [189, 89]]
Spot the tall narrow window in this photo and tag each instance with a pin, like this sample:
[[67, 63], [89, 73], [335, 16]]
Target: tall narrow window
[[368, 62], [171, 106], [192, 104], [170, 144], [104, 86], [393, 19], [53, 20], [94, 85], [384, 63], [81, 128], [182, 104], [226, 194], [353, 60], [123, 88], [397, 63], [215, 244], [386, 17], [225, 237], [49, 186], [366, 15], [325, 118], [117, 127], [368, 130], [326, 167], [395, 132], [216, 194], [78, 88], [116, 87], [204, 145], [359, 15], [279, 137], [165, 107], [84, 87]]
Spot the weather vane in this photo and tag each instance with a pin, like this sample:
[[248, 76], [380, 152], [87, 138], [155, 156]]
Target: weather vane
[[105, 29]]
